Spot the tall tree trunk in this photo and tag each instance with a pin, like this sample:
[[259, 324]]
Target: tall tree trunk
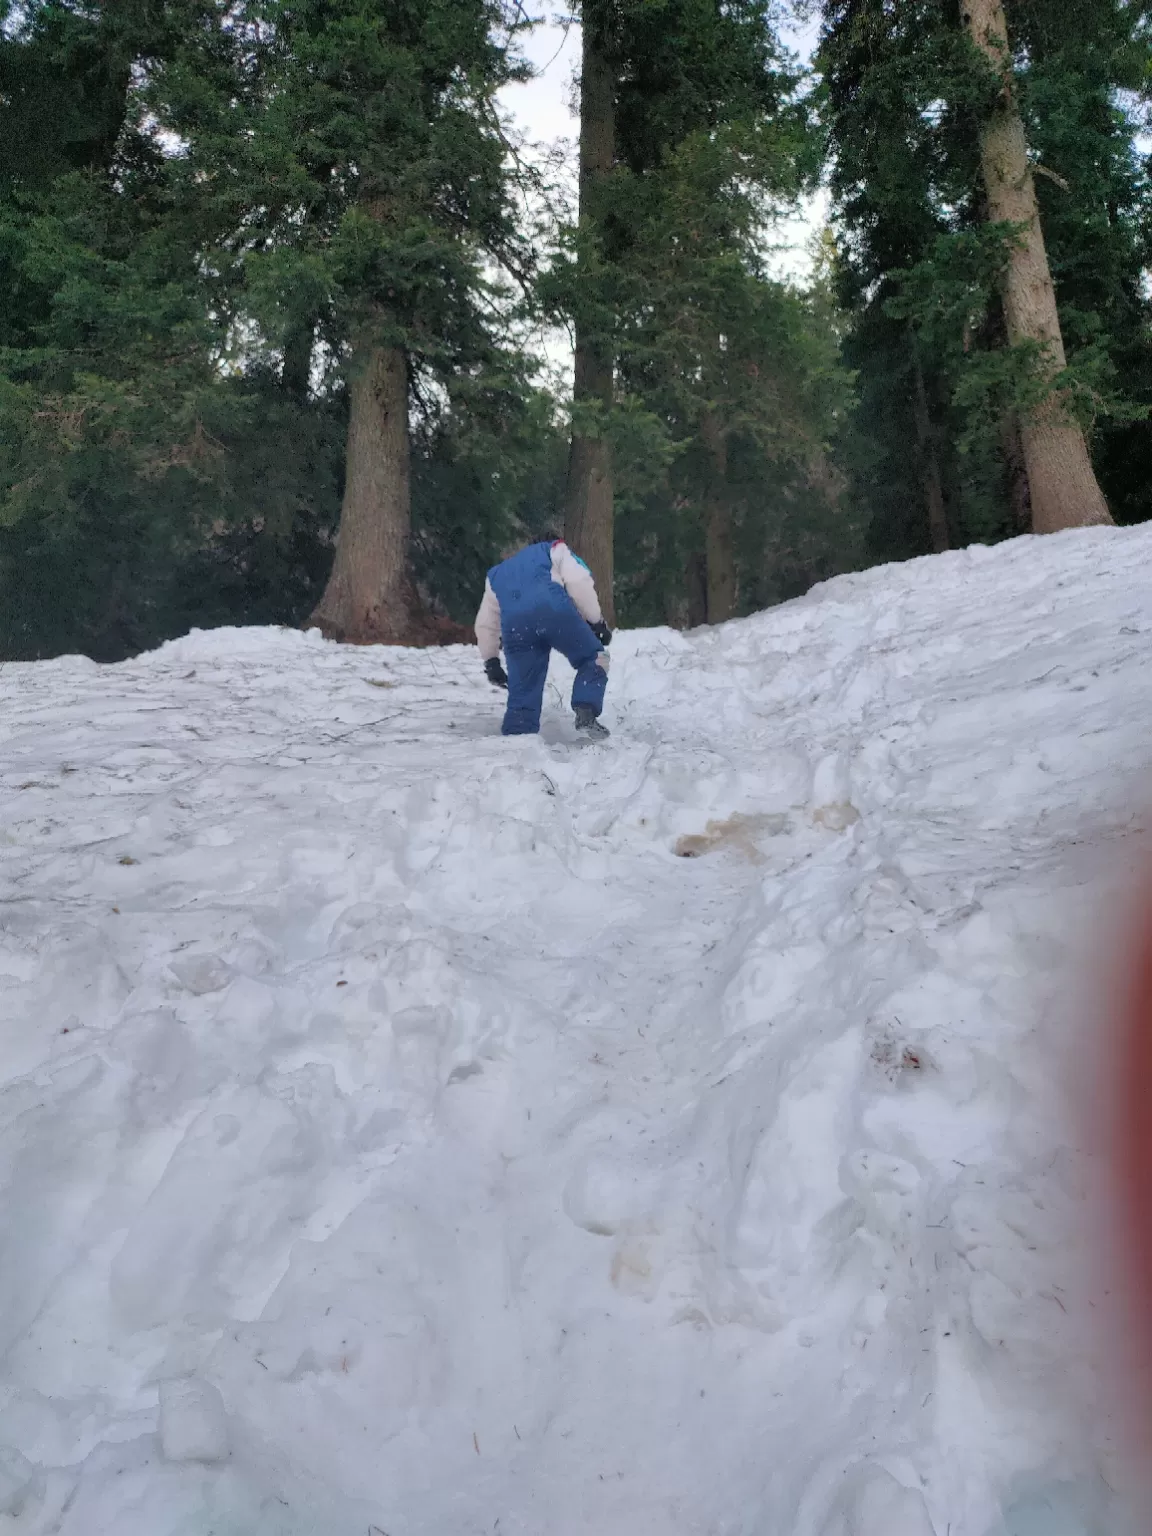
[[296, 372], [300, 340], [696, 587], [1016, 471], [720, 559], [929, 460], [588, 508], [675, 604], [367, 596], [1061, 480], [114, 115]]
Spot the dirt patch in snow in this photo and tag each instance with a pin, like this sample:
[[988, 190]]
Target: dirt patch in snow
[[737, 832]]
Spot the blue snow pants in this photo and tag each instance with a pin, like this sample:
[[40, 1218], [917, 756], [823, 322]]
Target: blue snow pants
[[538, 617]]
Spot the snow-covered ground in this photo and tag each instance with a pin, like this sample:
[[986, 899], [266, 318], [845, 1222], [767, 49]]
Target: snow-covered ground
[[401, 1134]]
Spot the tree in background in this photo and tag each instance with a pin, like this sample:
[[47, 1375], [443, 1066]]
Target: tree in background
[[1082, 73], [739, 371], [588, 504], [380, 159], [172, 402], [923, 264], [656, 75], [107, 347], [1062, 486], [903, 173]]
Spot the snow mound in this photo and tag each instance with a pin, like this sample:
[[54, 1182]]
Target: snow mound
[[410, 1130]]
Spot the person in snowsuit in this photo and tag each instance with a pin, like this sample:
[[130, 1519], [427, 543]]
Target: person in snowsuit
[[539, 600]]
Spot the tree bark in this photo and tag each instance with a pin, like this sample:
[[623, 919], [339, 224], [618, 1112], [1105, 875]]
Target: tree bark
[[300, 341], [367, 596], [1016, 472], [696, 588], [588, 512], [719, 556], [1063, 487], [929, 461], [296, 371], [588, 506]]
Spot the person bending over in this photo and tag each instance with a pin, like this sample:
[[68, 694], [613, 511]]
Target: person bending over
[[543, 599]]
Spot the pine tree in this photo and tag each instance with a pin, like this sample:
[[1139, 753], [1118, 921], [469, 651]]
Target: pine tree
[[922, 262], [657, 75], [106, 346], [731, 363], [589, 498], [375, 138], [1061, 482], [904, 161], [1082, 70], [173, 409]]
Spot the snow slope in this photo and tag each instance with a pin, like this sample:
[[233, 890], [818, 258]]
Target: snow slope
[[399, 1134]]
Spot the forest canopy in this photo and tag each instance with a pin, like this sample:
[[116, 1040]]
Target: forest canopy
[[276, 275]]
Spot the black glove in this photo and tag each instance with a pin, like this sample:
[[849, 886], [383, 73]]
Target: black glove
[[495, 673], [602, 633]]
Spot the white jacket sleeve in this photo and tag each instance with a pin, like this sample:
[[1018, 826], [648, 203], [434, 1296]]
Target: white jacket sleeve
[[488, 625], [576, 579]]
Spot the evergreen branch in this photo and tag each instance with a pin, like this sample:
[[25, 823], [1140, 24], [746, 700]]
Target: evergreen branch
[[1042, 170]]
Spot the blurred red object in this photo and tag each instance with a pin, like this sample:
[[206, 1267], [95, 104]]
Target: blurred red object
[[1133, 1144]]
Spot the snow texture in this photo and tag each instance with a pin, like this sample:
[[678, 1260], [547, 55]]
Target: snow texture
[[429, 1132], [193, 1424]]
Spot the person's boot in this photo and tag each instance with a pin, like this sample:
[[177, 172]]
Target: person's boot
[[588, 722]]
